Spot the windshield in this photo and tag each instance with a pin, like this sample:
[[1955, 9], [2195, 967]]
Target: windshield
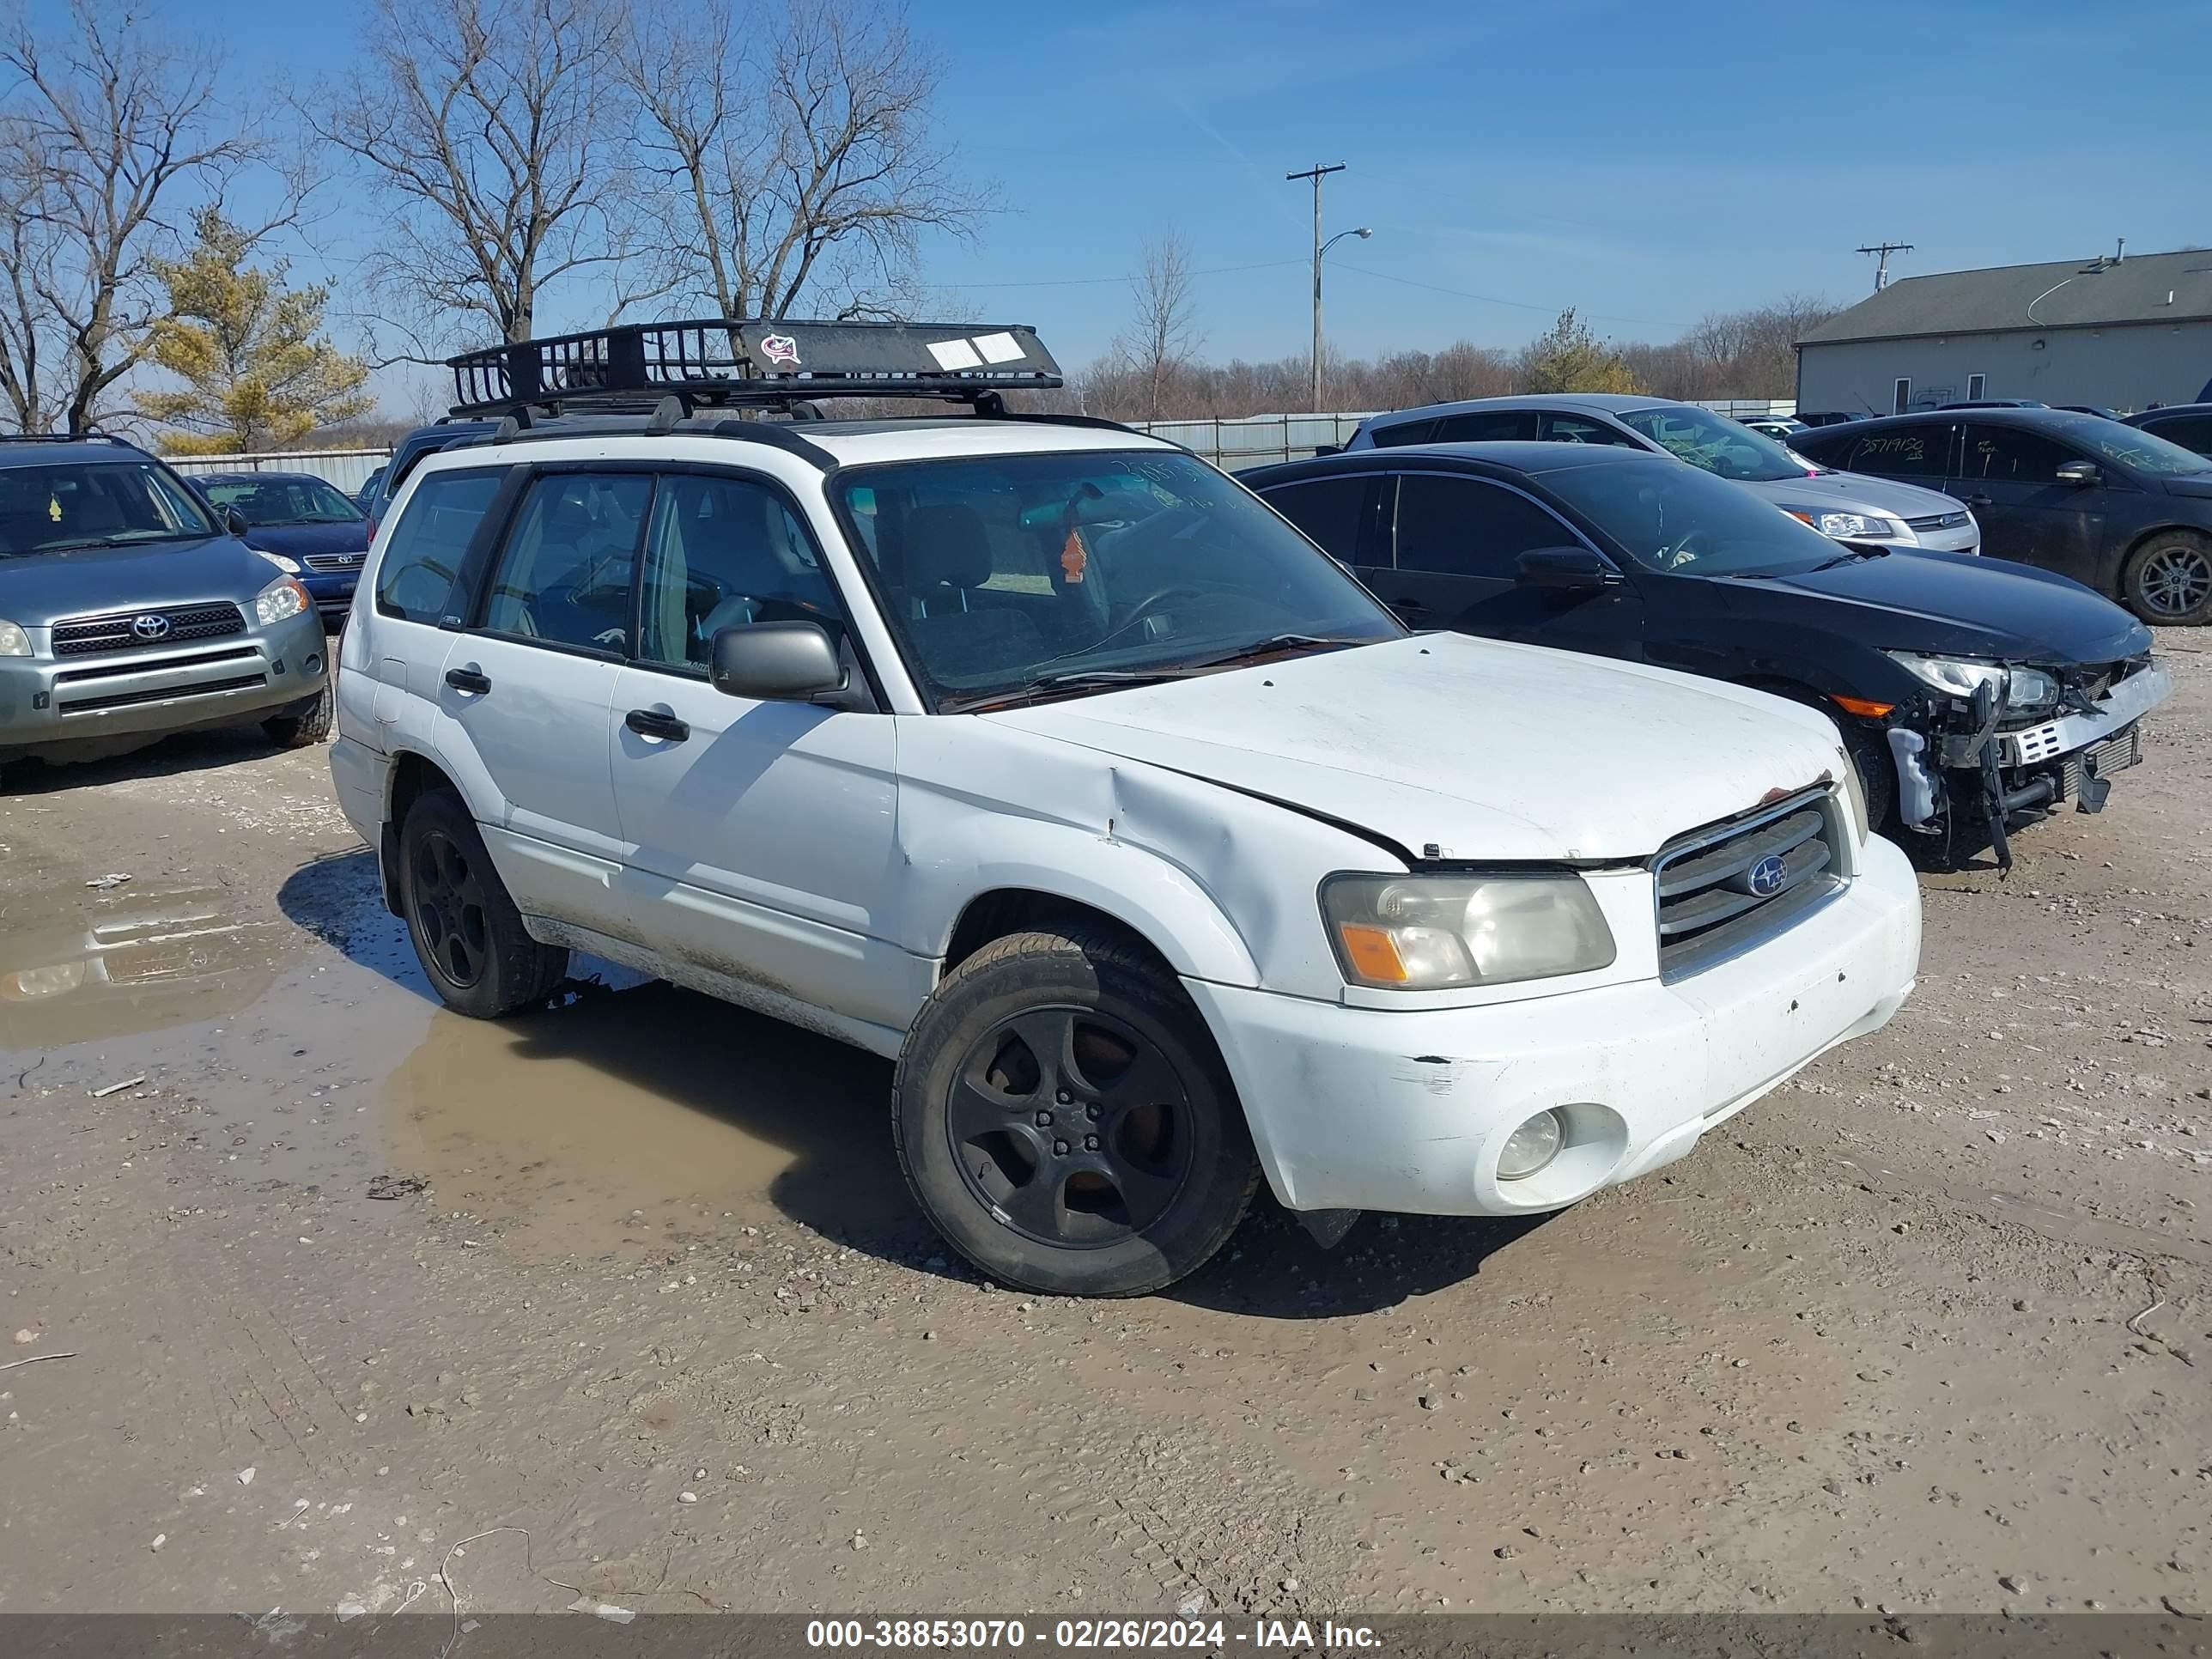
[[262, 501], [2128, 446], [1002, 571], [1713, 444], [1668, 517], [69, 504]]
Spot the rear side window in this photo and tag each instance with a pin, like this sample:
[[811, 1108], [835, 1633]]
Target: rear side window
[[1331, 511], [2003, 455], [422, 557], [1907, 451], [1400, 432], [564, 575], [1489, 426]]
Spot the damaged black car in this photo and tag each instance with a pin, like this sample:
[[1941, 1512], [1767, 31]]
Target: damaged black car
[[1974, 695]]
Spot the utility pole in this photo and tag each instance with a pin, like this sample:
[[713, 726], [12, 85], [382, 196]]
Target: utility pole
[[1882, 251], [1316, 173]]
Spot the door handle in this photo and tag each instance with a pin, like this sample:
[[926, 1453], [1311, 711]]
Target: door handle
[[1406, 605], [1981, 501], [656, 723], [471, 680]]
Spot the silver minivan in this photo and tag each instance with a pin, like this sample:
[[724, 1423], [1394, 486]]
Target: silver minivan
[[1848, 507]]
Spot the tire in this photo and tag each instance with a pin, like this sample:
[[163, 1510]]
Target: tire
[[467, 933], [1870, 758], [1065, 1119], [302, 728], [2168, 581]]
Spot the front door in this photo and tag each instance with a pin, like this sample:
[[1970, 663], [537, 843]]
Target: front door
[[524, 695], [760, 835], [2009, 478], [1459, 540]]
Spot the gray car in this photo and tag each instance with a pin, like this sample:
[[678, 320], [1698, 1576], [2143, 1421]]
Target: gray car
[[1847, 506], [128, 611]]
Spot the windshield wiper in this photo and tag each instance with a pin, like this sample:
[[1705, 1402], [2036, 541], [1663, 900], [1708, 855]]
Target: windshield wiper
[[1850, 554], [1073, 680], [1270, 646], [87, 542]]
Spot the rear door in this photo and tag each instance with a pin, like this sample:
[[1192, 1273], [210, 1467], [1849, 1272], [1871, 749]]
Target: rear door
[[529, 681], [1458, 543], [2009, 476], [1919, 453]]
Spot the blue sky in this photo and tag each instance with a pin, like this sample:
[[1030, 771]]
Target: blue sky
[[1643, 162]]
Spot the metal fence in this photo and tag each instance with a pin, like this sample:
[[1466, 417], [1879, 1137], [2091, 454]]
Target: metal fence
[[1253, 440], [348, 469]]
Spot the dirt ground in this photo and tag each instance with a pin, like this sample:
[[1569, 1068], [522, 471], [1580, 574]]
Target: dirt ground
[[1927, 1330]]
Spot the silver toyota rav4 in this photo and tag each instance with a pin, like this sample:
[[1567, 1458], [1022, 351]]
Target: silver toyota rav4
[[1848, 507], [127, 611]]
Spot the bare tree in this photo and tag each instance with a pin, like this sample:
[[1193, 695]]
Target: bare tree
[[107, 129], [491, 130], [795, 153], [1165, 333]]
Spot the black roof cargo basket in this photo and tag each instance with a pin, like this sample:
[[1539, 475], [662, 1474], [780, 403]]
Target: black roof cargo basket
[[717, 363]]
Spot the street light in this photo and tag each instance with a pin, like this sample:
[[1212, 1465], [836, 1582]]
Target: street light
[[1320, 249]]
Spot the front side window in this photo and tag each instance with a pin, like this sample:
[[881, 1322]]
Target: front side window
[[1465, 527], [265, 502], [2147, 452], [422, 555], [1713, 444], [59, 508], [2002, 455], [564, 574], [722, 552], [1581, 430], [2192, 432], [1002, 574]]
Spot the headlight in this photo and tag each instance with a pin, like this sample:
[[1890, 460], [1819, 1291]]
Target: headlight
[[1961, 677], [1854, 793], [1852, 527], [279, 600], [27, 983], [1427, 933], [289, 567], [13, 642]]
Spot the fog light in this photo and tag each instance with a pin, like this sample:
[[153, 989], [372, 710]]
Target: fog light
[[1530, 1147]]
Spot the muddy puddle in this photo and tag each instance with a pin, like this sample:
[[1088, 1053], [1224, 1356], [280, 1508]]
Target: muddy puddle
[[80, 963], [632, 1116]]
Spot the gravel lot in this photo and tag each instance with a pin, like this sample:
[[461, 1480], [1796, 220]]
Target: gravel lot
[[1927, 1330]]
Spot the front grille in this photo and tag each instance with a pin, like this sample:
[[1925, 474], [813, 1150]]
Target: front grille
[[2115, 754], [166, 694], [1722, 889], [334, 561], [1940, 521], [86, 637], [110, 671]]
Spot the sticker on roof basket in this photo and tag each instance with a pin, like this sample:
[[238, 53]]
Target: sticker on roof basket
[[779, 348], [954, 354], [998, 347]]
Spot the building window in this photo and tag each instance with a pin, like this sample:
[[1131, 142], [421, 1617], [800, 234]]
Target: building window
[[1976, 383], [1903, 400]]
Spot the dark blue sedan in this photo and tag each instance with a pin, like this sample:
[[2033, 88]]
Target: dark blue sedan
[[302, 519]]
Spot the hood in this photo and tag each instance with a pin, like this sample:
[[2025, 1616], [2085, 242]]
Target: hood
[[45, 587], [1956, 603], [1482, 749], [296, 541], [2196, 485], [1845, 492]]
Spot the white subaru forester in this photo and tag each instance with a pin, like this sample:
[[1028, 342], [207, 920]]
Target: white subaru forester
[[1040, 755]]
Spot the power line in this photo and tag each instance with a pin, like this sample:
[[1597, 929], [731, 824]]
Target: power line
[[1127, 276]]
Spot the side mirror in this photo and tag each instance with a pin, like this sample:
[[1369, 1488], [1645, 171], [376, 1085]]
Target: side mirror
[[2080, 473], [1575, 569], [234, 522], [775, 661]]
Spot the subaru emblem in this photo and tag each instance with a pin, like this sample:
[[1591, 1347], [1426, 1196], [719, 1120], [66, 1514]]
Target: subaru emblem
[[1766, 876], [151, 626]]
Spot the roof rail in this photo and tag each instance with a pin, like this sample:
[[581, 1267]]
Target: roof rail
[[94, 436], [719, 362]]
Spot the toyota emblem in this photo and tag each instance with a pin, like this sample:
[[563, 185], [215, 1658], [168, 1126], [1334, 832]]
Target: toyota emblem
[[1766, 877], [151, 626]]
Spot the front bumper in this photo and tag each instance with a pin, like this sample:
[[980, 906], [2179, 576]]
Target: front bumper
[[1366, 1108], [2124, 704], [1960, 538], [331, 590], [50, 704]]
